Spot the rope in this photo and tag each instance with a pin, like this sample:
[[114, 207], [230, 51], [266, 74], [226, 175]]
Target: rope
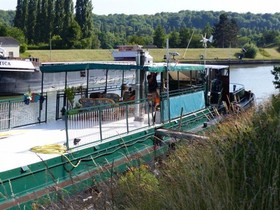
[[49, 149], [54, 149]]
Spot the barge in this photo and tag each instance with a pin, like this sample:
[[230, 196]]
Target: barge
[[106, 133]]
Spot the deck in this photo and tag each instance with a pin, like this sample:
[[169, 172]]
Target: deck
[[15, 144]]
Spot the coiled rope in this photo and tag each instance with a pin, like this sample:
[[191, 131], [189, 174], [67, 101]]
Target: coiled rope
[[49, 149], [53, 149]]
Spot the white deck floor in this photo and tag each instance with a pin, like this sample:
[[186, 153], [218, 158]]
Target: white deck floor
[[15, 144]]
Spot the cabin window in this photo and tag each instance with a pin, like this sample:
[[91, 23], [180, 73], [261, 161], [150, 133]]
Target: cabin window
[[11, 54]]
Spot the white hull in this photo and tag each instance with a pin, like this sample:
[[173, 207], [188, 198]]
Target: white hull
[[16, 65]]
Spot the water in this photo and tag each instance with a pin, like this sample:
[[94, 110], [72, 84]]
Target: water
[[258, 79]]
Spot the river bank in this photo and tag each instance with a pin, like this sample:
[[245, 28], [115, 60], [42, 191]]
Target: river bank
[[235, 62], [185, 55]]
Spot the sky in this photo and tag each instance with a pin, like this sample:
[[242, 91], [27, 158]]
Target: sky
[[105, 7]]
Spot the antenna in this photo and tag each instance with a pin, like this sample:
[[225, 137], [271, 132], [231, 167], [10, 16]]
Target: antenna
[[188, 44]]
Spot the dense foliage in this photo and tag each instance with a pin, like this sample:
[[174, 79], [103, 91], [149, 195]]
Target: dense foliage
[[238, 168], [45, 21]]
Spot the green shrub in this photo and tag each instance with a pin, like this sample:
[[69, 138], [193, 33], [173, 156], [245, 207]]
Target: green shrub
[[135, 184], [251, 50], [23, 48]]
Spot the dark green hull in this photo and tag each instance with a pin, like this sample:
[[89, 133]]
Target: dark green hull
[[38, 182]]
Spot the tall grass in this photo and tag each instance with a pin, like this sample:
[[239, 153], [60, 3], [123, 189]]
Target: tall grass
[[238, 168]]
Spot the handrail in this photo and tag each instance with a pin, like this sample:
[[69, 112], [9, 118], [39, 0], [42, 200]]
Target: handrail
[[236, 88]]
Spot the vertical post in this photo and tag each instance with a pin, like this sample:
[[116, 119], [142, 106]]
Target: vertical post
[[87, 82], [65, 87], [126, 117], [122, 86], [41, 97], [167, 77], [10, 114], [100, 122], [139, 87], [66, 130], [50, 46], [106, 81]]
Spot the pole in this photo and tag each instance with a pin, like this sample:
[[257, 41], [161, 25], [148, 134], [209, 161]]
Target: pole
[[50, 46], [167, 77], [139, 87]]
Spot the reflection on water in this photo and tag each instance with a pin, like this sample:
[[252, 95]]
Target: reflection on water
[[258, 79]]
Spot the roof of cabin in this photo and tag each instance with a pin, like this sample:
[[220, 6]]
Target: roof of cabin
[[155, 67], [4, 40]]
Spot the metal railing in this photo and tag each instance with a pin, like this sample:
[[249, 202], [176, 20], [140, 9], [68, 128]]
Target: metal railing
[[19, 112], [105, 121], [61, 100]]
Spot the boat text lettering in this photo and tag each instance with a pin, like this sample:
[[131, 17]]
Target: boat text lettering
[[5, 63]]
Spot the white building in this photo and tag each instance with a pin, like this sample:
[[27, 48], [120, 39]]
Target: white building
[[10, 46]]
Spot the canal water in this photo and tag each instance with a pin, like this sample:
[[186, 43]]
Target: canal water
[[258, 79]]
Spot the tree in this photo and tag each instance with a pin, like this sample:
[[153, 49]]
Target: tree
[[72, 35], [84, 17], [159, 37], [16, 33], [31, 21], [225, 32], [208, 30], [174, 39], [269, 37], [185, 36], [19, 15], [3, 30], [20, 19], [107, 40]]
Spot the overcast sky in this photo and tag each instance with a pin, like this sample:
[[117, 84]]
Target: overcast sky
[[154, 6]]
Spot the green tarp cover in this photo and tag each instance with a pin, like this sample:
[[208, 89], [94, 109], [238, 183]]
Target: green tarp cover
[[71, 67], [161, 67], [190, 103], [156, 67]]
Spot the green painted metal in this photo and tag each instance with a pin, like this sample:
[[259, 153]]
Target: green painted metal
[[99, 162], [83, 168], [162, 67], [46, 174], [95, 66], [68, 67]]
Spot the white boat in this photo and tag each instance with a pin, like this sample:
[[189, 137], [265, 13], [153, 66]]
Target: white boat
[[19, 76], [130, 52]]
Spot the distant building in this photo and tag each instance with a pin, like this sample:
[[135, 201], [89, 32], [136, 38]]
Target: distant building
[[10, 46]]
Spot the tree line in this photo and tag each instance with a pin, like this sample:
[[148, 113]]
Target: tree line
[[57, 21], [54, 20]]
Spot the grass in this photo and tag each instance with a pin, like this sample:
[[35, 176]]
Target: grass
[[239, 168], [158, 54]]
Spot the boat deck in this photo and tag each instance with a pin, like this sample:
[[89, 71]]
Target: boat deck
[[15, 144]]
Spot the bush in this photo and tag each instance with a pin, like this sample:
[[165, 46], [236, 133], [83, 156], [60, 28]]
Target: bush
[[250, 50], [136, 184], [23, 48]]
